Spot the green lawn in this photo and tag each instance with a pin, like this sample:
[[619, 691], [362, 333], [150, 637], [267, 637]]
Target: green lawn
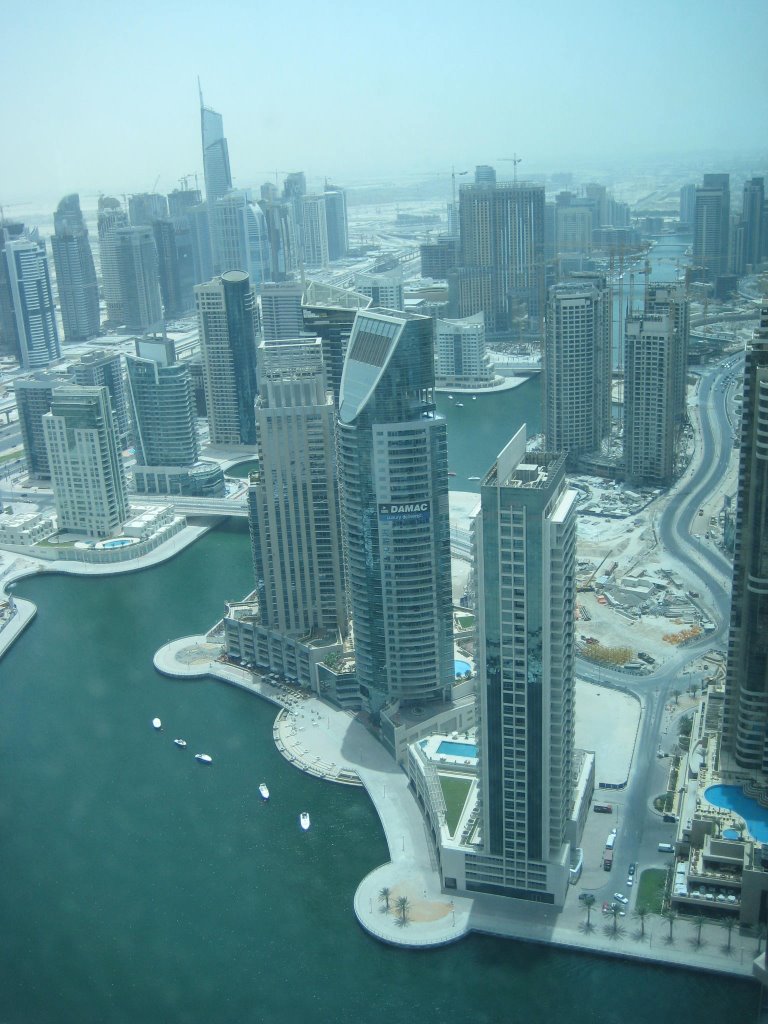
[[465, 621], [650, 889], [455, 791]]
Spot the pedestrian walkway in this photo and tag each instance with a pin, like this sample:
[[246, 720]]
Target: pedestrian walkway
[[330, 743]]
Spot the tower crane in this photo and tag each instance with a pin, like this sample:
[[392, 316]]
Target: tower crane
[[514, 160]]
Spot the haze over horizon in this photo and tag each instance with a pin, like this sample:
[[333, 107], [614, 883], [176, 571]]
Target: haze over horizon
[[105, 98]]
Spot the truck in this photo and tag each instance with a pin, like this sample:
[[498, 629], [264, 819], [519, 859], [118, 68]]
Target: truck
[[609, 842], [607, 860]]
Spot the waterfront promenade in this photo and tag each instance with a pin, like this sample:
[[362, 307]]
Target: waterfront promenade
[[327, 742]]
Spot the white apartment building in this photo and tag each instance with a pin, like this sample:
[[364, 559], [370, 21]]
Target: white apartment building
[[462, 360]]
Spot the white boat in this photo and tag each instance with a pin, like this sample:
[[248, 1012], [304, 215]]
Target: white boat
[[156, 723], [180, 743], [474, 398], [473, 478], [205, 758], [264, 791], [451, 397], [304, 820], [459, 405]]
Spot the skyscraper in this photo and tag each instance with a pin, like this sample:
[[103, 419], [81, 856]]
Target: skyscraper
[[329, 313], [293, 497], [525, 537], [218, 179], [651, 388], [181, 201], [671, 299], [75, 272], [752, 213], [577, 367], [32, 297], [711, 223], [33, 400], [228, 319], [239, 235], [175, 265], [163, 406], [502, 241], [393, 462], [281, 315], [112, 217], [336, 222], [314, 230], [385, 288], [86, 466], [144, 208], [745, 718], [687, 206], [138, 271], [105, 369]]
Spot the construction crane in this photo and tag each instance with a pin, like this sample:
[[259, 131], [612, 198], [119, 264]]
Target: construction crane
[[514, 160]]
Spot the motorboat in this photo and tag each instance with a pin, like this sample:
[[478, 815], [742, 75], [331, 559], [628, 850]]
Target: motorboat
[[459, 405], [451, 472], [156, 723], [263, 791], [473, 478], [180, 743], [474, 398], [204, 758], [451, 397], [304, 820]]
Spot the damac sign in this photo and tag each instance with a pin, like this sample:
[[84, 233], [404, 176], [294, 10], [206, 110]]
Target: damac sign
[[408, 512]]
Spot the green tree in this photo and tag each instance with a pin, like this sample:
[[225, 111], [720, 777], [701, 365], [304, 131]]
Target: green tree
[[403, 905], [699, 921], [729, 924], [671, 916], [589, 901], [641, 913], [384, 895]]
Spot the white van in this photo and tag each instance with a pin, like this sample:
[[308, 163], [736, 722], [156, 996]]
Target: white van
[[666, 848]]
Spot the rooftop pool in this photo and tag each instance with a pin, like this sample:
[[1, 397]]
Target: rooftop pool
[[450, 747], [734, 799]]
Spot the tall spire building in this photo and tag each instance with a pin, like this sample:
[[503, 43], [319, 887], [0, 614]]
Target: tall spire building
[[218, 179]]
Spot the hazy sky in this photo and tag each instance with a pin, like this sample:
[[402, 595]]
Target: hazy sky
[[103, 96]]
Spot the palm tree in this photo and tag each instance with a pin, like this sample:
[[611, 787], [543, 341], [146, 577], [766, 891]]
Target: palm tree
[[671, 916], [403, 906], [676, 695], [384, 895], [729, 924], [641, 913], [589, 900], [699, 921], [615, 909]]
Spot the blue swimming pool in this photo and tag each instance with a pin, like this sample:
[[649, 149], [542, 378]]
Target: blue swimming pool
[[460, 667], [457, 749], [750, 810], [731, 833]]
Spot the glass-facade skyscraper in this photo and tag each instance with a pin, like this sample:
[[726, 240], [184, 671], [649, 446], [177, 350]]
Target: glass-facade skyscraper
[[745, 719], [218, 178], [75, 272], [393, 464]]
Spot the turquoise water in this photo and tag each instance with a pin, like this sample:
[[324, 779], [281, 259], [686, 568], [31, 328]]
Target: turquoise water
[[734, 799], [457, 749], [460, 667], [731, 833], [139, 889]]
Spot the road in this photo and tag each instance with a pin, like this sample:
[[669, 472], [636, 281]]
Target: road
[[642, 829]]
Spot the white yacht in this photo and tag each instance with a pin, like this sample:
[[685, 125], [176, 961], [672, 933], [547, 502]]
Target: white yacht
[[156, 723], [263, 791], [180, 743], [304, 820], [204, 758]]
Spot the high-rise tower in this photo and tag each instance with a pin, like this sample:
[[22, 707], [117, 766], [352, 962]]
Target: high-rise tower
[[577, 367], [112, 217], [105, 369], [393, 463], [753, 216], [228, 317], [712, 214], [525, 550], [75, 272], [218, 179], [86, 466], [293, 497], [651, 388], [502, 255], [163, 407], [32, 297], [745, 719], [138, 270]]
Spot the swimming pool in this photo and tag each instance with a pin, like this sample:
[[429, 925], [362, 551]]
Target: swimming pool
[[457, 749], [733, 798], [460, 667], [120, 542], [731, 833]]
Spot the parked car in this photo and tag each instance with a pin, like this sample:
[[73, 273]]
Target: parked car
[[621, 898]]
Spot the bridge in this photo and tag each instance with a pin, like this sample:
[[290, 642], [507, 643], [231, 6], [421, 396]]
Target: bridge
[[236, 506]]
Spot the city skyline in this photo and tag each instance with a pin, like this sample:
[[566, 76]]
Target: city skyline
[[148, 124]]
